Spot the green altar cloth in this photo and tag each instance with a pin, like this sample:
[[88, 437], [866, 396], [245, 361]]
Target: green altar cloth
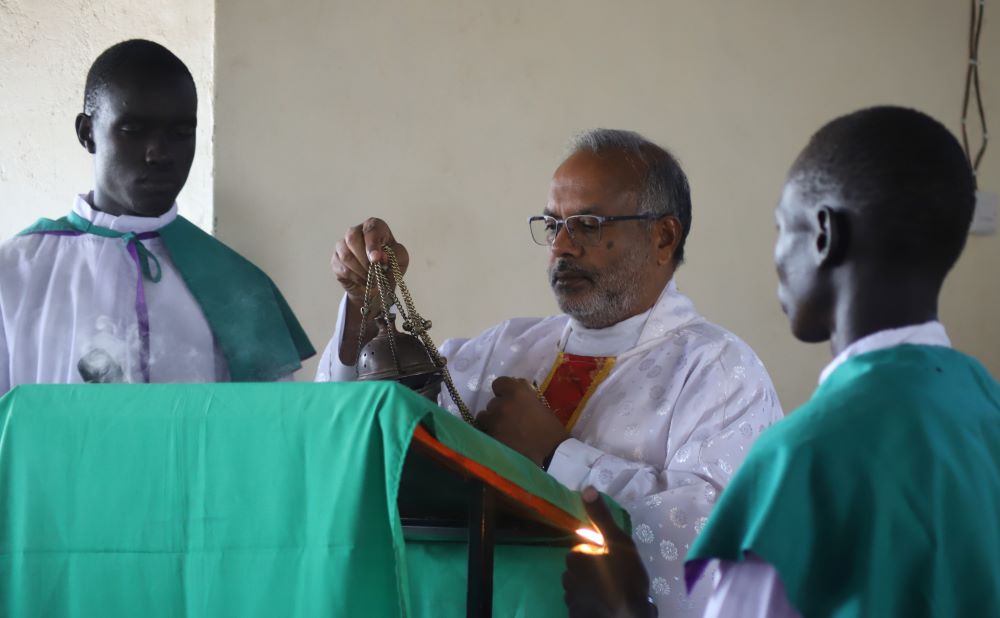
[[239, 500]]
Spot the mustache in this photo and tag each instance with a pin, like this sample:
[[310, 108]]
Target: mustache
[[566, 268]]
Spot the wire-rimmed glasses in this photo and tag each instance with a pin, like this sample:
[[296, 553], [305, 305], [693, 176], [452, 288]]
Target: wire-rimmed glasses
[[584, 230]]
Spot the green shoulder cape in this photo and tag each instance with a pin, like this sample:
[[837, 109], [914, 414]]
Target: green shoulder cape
[[878, 497], [253, 325]]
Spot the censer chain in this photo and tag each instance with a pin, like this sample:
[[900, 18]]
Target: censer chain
[[413, 322], [381, 284]]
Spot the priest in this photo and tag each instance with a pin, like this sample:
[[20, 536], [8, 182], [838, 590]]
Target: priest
[[629, 389], [124, 289]]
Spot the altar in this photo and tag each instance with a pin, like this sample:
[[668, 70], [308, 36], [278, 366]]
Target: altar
[[285, 499]]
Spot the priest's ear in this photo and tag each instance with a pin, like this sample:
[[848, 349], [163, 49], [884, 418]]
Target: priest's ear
[[668, 231], [85, 131], [832, 236]]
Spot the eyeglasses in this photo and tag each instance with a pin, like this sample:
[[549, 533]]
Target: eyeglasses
[[584, 230]]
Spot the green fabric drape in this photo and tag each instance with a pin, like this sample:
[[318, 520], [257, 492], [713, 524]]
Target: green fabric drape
[[878, 497], [253, 325], [238, 500], [526, 580]]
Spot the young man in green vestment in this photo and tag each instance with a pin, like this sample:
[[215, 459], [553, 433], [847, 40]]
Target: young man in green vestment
[[123, 289], [881, 495]]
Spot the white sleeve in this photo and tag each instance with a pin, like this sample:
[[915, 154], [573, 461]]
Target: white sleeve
[[717, 416], [330, 369], [748, 589]]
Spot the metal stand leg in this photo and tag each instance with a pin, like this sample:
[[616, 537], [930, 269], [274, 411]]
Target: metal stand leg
[[479, 596]]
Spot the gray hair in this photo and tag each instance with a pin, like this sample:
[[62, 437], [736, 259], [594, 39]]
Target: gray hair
[[664, 190]]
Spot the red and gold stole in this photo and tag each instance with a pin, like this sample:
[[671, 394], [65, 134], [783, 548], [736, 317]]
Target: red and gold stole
[[571, 382]]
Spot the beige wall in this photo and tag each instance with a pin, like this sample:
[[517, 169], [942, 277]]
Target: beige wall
[[447, 117], [46, 47]]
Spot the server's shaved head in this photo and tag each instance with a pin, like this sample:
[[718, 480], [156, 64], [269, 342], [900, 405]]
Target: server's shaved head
[[131, 61], [903, 174]]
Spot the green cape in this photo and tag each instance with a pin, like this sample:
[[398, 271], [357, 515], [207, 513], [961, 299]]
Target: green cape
[[878, 497], [253, 325]]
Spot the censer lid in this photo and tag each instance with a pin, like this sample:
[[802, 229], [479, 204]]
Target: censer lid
[[395, 356]]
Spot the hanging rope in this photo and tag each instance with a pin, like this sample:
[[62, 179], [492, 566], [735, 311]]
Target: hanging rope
[[972, 87]]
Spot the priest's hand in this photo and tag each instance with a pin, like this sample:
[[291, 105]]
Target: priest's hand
[[518, 418], [611, 583], [360, 246]]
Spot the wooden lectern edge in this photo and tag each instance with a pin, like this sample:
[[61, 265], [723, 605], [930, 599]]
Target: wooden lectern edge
[[541, 507]]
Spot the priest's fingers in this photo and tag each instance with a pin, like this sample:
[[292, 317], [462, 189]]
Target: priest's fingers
[[350, 273], [346, 266], [376, 235], [486, 420], [494, 410], [502, 385], [603, 519], [354, 240], [505, 386]]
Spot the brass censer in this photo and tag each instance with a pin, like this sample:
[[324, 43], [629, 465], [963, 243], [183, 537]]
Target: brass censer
[[410, 357]]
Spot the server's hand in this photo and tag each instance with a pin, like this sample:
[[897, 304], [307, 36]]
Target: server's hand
[[610, 582]]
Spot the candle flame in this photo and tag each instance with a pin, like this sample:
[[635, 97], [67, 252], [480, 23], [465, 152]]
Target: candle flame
[[587, 548], [592, 536]]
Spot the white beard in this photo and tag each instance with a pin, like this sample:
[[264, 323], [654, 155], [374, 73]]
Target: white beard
[[615, 291]]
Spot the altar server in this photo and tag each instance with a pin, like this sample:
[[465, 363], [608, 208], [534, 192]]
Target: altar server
[[881, 495], [124, 289]]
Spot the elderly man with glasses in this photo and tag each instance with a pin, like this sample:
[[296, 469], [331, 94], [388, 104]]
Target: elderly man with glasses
[[629, 390]]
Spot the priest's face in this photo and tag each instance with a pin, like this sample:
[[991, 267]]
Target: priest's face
[[803, 289], [601, 284], [142, 135]]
